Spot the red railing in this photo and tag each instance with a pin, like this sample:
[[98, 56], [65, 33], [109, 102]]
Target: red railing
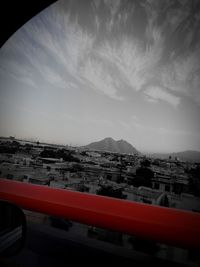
[[164, 225]]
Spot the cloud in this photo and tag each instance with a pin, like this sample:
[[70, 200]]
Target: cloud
[[101, 80], [61, 52], [136, 123], [113, 6], [62, 40], [135, 65], [54, 78], [179, 25], [56, 46], [183, 75], [154, 94], [17, 71], [58, 49]]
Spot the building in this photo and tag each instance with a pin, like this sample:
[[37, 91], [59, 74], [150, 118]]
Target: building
[[185, 202], [169, 183], [151, 196]]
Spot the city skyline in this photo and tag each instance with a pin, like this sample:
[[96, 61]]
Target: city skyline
[[79, 72]]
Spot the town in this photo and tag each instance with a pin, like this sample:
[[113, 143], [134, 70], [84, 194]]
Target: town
[[165, 182], [133, 177]]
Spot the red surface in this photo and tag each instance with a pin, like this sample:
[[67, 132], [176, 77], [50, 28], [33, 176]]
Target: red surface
[[165, 225]]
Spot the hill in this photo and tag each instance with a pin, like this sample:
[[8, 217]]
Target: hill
[[188, 155], [109, 144]]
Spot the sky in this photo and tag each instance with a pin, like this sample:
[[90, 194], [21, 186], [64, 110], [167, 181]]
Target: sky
[[81, 71]]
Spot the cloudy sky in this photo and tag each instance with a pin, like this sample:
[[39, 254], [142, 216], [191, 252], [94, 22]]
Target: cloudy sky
[[81, 71]]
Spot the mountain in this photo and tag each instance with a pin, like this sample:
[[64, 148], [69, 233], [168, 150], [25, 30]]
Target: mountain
[[109, 144], [188, 155]]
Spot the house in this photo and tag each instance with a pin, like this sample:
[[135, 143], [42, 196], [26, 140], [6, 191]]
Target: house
[[151, 196]]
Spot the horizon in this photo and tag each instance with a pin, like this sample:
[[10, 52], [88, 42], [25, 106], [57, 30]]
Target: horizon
[[85, 145], [79, 71]]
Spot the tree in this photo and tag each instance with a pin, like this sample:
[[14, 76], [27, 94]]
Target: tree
[[143, 177], [28, 147], [8, 149], [165, 201], [48, 168], [120, 179], [83, 153], [15, 144], [194, 181], [47, 153], [9, 176], [109, 191], [77, 167], [145, 163]]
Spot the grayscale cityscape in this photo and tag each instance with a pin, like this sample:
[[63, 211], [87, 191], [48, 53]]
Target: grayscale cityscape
[[103, 97], [109, 168]]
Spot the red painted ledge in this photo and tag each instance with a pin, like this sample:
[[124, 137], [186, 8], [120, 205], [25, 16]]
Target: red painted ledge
[[164, 225]]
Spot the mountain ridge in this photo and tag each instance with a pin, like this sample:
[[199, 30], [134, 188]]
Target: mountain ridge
[[111, 145]]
